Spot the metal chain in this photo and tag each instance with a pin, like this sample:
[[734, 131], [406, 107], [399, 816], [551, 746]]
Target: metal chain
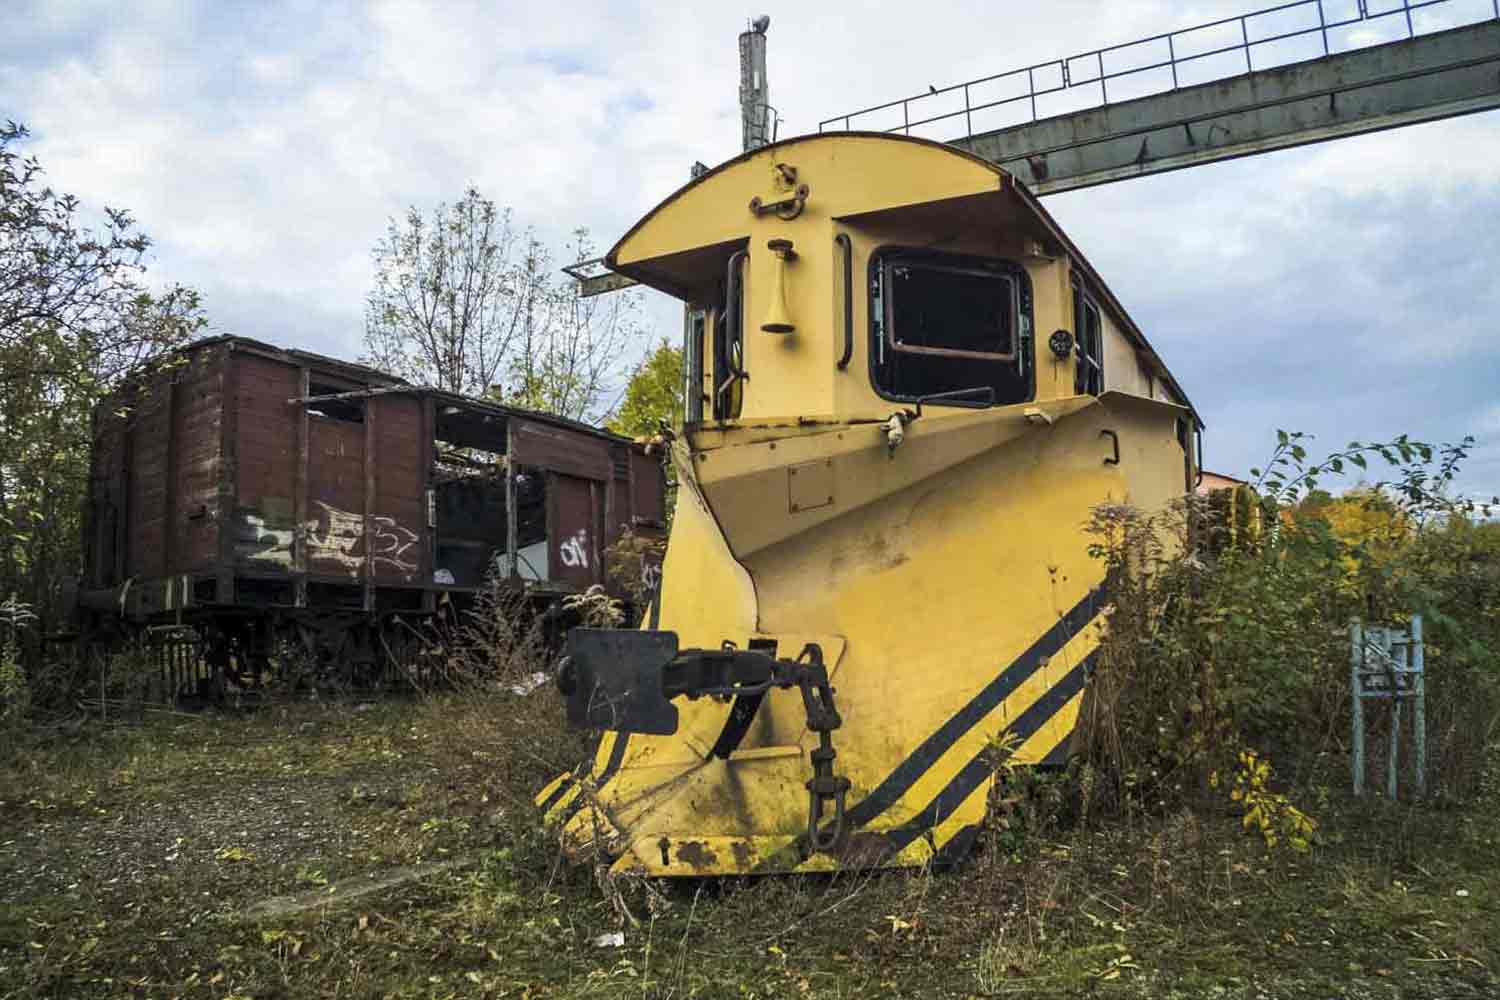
[[825, 786]]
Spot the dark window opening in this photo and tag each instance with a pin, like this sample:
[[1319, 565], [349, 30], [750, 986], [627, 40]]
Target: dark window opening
[[1088, 377], [473, 528], [947, 323], [469, 494], [475, 432], [348, 410], [692, 355]]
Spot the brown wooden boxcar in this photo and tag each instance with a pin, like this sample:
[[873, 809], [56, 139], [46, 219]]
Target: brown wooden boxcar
[[246, 490]]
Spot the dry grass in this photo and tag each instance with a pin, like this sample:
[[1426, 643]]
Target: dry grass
[[129, 858]]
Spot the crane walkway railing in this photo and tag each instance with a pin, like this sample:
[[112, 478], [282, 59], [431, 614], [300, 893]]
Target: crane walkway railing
[[1167, 55]]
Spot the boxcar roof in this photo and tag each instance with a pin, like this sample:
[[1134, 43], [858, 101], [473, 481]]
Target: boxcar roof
[[376, 377]]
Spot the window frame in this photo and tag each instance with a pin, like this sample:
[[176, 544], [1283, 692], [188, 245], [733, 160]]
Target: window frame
[[695, 333], [729, 371], [1083, 304], [881, 325]]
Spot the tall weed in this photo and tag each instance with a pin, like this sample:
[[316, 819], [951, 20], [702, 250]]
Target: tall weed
[[1228, 635]]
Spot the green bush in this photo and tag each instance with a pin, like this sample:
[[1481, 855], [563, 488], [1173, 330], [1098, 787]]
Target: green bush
[[1216, 646], [15, 690]]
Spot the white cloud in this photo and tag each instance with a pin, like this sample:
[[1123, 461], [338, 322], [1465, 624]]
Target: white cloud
[[1487, 422], [264, 147]]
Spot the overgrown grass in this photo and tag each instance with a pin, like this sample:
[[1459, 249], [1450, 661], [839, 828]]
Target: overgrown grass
[[130, 859], [391, 849]]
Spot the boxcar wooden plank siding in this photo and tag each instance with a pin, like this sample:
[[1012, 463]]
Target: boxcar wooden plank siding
[[573, 540], [216, 488], [148, 491], [335, 526], [197, 409], [398, 536], [263, 523], [556, 448], [617, 512], [648, 504]]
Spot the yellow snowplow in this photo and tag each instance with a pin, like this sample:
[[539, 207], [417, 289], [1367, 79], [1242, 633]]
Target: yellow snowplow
[[907, 390]]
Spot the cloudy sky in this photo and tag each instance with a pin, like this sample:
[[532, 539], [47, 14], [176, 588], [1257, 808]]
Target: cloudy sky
[[1346, 289]]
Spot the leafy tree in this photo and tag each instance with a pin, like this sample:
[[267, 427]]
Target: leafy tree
[[449, 295], [572, 347], [464, 302], [1369, 526], [654, 395], [82, 286], [75, 316], [653, 398]]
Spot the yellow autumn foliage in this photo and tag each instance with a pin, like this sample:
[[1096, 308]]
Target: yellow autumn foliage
[[1373, 531]]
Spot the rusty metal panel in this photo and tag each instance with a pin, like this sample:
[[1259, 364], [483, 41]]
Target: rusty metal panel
[[617, 510], [617, 496], [299, 494], [398, 533], [542, 445], [572, 536], [647, 506], [197, 410], [150, 429], [335, 525], [224, 590], [263, 522]]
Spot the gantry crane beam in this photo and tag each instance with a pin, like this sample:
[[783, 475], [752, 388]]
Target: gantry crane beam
[[1420, 79]]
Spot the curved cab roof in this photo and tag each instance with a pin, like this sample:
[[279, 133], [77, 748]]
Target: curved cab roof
[[681, 242]]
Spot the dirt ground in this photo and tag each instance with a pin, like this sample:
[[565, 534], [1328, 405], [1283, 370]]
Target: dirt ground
[[340, 849]]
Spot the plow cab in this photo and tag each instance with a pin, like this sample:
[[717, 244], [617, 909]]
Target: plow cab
[[907, 392]]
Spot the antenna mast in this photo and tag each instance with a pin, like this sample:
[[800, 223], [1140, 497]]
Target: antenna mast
[[757, 117]]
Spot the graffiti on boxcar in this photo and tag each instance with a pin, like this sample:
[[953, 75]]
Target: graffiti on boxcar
[[262, 541], [575, 551], [334, 537], [393, 545]]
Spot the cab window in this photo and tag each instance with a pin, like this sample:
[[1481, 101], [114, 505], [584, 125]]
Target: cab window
[[1088, 377], [949, 325], [696, 326]]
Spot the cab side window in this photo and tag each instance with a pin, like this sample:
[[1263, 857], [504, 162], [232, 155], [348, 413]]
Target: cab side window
[[1088, 377], [949, 325], [694, 334]]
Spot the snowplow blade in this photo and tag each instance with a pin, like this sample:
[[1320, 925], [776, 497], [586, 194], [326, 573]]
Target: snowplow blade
[[956, 609]]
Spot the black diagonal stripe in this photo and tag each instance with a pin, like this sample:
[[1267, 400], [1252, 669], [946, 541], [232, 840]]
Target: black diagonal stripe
[[611, 766], [558, 792], [568, 782], [909, 771], [980, 767]]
